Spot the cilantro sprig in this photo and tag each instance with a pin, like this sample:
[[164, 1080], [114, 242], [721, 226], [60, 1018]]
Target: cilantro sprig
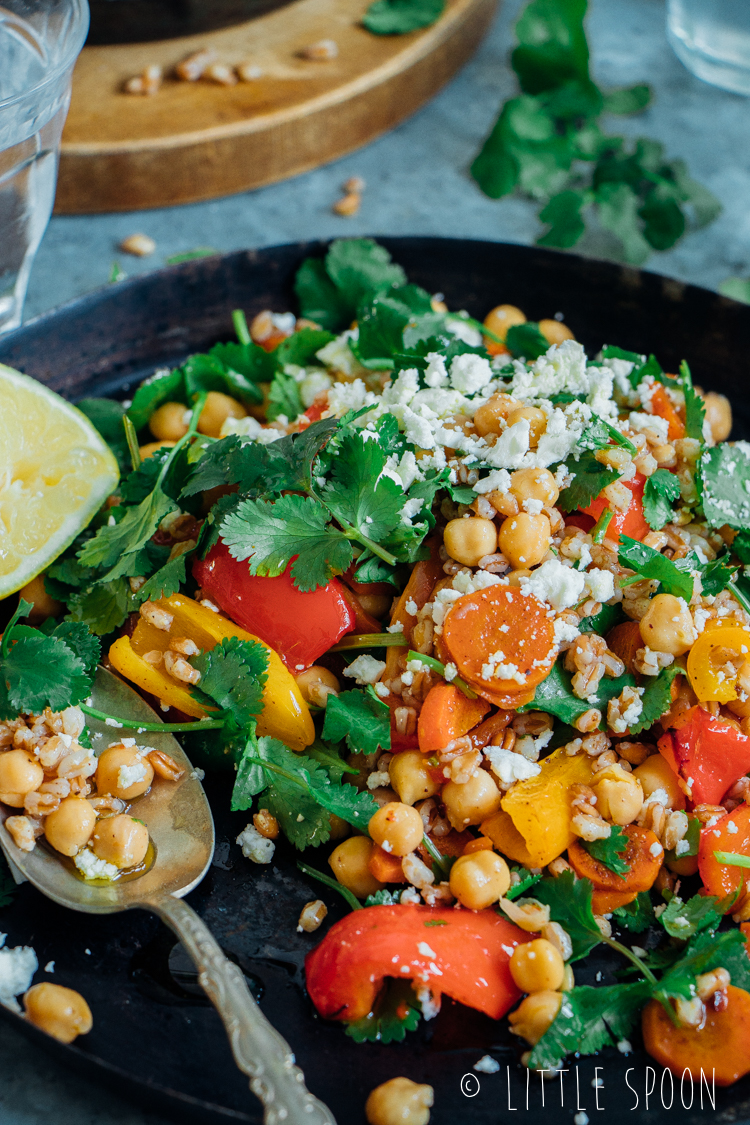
[[610, 851]]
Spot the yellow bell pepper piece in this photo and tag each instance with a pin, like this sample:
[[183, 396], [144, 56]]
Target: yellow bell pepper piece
[[285, 714], [533, 826], [708, 658]]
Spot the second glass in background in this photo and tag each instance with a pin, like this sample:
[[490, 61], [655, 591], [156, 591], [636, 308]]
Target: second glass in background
[[712, 39], [39, 43]]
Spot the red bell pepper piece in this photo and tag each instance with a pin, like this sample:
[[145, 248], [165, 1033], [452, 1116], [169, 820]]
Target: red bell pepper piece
[[708, 753], [662, 406], [632, 522], [465, 955], [299, 626]]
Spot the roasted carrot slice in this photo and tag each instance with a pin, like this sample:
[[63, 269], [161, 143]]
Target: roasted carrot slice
[[446, 714], [661, 404], [496, 631], [624, 641], [639, 854], [721, 1048], [385, 867], [730, 834], [418, 589]]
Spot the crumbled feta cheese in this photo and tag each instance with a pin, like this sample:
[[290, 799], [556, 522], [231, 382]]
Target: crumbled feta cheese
[[552, 582], [497, 481], [487, 1065], [378, 778], [624, 1047], [131, 775], [534, 507], [17, 967], [425, 950], [49, 967], [510, 767], [732, 828], [197, 774], [409, 897], [314, 383], [639, 423], [254, 846], [338, 353], [565, 631], [450, 672], [656, 849], [600, 584], [463, 331], [91, 867], [112, 722], [429, 1004], [470, 373], [581, 1118], [349, 396], [365, 669], [381, 690]]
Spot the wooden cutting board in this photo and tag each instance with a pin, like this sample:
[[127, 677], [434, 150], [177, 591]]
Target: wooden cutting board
[[194, 141]]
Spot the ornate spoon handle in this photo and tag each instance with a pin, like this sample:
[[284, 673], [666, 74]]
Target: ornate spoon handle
[[258, 1049]]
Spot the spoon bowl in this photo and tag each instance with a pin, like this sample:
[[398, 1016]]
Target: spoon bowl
[[181, 828]]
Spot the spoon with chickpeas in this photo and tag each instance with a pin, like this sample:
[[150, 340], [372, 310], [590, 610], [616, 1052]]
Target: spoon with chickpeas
[[163, 851]]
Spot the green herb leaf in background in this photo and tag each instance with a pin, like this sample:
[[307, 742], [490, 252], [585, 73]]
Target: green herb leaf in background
[[397, 17]]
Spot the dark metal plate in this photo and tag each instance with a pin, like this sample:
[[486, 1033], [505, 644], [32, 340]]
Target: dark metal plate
[[155, 1037]]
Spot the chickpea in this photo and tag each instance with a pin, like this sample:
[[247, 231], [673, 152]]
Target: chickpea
[[619, 796], [490, 418], [61, 1012], [218, 408], [150, 448], [121, 840], [339, 827], [516, 577], [112, 770], [19, 774], [316, 684], [69, 827], [399, 1102], [536, 418], [377, 605], [170, 421], [471, 802], [411, 777], [554, 331], [469, 540], [524, 539], [718, 415], [656, 773], [537, 966], [534, 484], [397, 828], [43, 605], [534, 1015], [349, 864], [667, 625], [479, 879], [503, 317]]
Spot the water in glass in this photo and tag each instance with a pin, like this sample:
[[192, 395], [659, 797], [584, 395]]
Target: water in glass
[[39, 42], [712, 38]]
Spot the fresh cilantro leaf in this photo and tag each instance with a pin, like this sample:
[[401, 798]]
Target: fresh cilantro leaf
[[284, 397], [106, 414], [674, 575], [333, 763], [358, 493], [233, 675], [611, 851], [301, 347], [526, 340], [601, 623], [555, 694], [695, 411], [7, 884], [569, 900], [162, 386], [111, 547], [656, 699], [140, 483], [209, 373], [725, 477], [612, 352], [552, 47], [395, 1012], [165, 581], [38, 671], [590, 477], [636, 916], [398, 17], [692, 839], [741, 546], [618, 209], [372, 569], [563, 213], [589, 1019], [737, 288], [660, 492], [684, 919], [717, 575], [382, 898], [360, 268], [706, 950], [226, 462], [361, 718], [381, 327], [320, 298], [249, 360], [78, 638], [101, 608], [526, 879], [599, 434], [269, 535], [627, 99]]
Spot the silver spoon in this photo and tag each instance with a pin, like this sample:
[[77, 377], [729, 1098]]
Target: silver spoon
[[182, 830]]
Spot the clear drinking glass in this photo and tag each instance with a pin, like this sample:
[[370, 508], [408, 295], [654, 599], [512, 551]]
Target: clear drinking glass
[[39, 43], [712, 38]]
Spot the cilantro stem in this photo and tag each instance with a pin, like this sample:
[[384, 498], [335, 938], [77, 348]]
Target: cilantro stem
[[623, 949], [350, 897], [198, 405], [132, 439], [436, 666], [599, 530], [21, 610], [370, 640], [734, 859], [170, 728], [437, 857], [240, 326], [738, 593], [359, 537]]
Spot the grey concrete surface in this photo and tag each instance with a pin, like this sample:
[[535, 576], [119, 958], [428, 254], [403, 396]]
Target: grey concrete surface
[[417, 184]]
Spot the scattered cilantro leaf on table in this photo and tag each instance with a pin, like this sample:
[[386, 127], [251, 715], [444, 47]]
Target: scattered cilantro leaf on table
[[636, 916], [661, 490], [589, 1019], [610, 851], [674, 575], [725, 480], [360, 717], [590, 477], [396, 1011]]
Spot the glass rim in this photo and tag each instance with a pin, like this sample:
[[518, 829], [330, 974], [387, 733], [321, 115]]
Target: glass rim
[[77, 36]]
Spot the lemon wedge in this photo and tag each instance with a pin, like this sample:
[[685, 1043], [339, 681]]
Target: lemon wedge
[[55, 473]]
